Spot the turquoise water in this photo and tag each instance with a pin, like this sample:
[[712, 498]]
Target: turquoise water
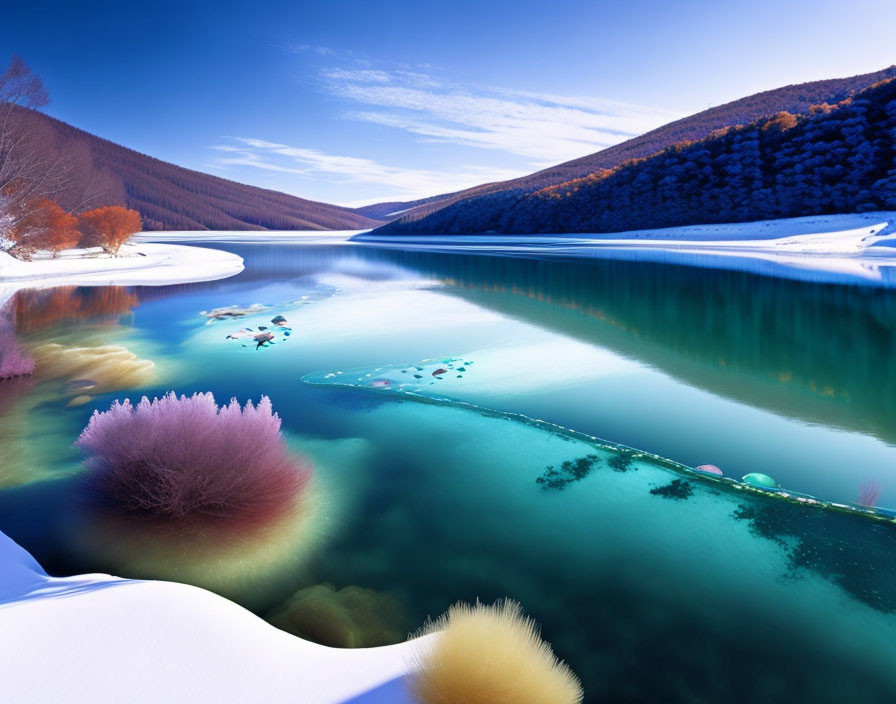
[[547, 462]]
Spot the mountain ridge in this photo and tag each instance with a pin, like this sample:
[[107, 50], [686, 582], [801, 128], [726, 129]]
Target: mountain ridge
[[838, 158], [795, 98], [172, 197]]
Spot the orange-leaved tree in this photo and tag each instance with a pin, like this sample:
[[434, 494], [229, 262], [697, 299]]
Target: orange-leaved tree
[[109, 227], [43, 225]]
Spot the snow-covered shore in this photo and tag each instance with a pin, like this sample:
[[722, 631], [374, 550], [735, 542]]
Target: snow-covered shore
[[837, 248], [139, 264], [816, 234], [847, 248], [95, 638], [252, 236]]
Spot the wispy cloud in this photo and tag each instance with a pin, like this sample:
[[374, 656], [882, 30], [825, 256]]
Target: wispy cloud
[[308, 49], [404, 183], [518, 129], [542, 127]]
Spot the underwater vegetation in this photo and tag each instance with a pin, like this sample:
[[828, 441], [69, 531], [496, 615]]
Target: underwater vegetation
[[621, 462], [11, 390], [93, 369], [491, 655], [554, 478], [677, 489], [185, 459], [846, 549], [869, 493], [351, 617], [179, 488], [14, 361]]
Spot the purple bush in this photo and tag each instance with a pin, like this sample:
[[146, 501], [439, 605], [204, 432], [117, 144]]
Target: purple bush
[[14, 361], [184, 459], [869, 492]]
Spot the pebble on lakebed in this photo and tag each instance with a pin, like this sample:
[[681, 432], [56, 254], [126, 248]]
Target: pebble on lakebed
[[79, 401], [709, 469], [234, 311], [759, 479]]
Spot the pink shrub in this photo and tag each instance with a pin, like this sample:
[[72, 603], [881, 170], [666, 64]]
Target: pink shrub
[[14, 361], [184, 460], [869, 492]]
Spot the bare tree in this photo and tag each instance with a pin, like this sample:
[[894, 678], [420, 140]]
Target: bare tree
[[24, 173], [36, 165]]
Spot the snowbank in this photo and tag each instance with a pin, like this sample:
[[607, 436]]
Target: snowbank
[[836, 248], [253, 236], [815, 233], [139, 264], [98, 638]]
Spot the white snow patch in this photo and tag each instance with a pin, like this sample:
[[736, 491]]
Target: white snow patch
[[96, 638], [252, 236], [136, 265], [836, 247]]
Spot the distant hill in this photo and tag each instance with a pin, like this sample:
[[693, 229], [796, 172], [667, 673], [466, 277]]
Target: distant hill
[[387, 211], [795, 99], [170, 197], [838, 158]]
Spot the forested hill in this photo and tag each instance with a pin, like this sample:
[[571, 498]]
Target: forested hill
[[170, 197], [795, 99], [835, 159]]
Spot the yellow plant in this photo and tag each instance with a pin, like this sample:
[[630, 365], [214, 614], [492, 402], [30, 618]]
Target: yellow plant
[[490, 655]]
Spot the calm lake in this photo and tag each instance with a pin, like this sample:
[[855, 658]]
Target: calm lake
[[485, 425]]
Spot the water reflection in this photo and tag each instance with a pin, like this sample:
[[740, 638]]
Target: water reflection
[[42, 309], [819, 352]]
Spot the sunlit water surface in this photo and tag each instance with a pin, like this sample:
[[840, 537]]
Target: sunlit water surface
[[508, 472]]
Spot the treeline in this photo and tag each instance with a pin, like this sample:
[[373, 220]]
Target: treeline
[[835, 159]]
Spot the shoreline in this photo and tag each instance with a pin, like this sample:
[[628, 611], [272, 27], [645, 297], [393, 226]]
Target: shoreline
[[139, 264], [51, 645], [850, 248]]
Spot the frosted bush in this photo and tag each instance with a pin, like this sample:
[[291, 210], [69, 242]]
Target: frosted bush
[[184, 458], [14, 361]]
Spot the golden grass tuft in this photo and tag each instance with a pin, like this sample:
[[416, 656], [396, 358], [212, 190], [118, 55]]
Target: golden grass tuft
[[490, 655], [111, 367]]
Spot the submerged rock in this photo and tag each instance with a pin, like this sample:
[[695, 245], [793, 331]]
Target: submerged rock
[[439, 371], [278, 320], [709, 469], [352, 617], [79, 384], [263, 338], [232, 311], [79, 401], [759, 479]]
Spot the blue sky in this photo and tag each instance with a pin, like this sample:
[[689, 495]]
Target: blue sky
[[358, 102]]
